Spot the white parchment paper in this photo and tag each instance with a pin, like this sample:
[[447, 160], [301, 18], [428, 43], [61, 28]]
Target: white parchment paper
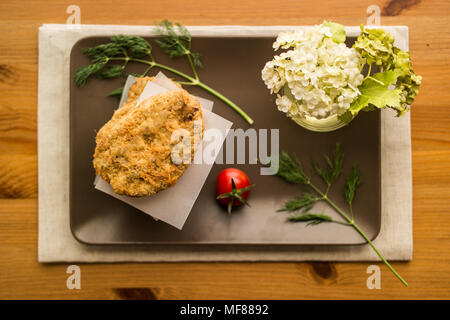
[[161, 205]]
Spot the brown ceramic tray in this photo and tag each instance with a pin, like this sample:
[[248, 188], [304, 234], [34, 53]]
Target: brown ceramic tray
[[233, 66]]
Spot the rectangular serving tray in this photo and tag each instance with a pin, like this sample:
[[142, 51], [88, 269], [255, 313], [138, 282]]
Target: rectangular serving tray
[[232, 65]]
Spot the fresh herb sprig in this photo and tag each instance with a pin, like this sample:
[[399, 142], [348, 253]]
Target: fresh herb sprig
[[175, 41], [305, 202], [292, 171]]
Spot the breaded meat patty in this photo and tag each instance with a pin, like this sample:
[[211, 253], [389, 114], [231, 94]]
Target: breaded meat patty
[[134, 148]]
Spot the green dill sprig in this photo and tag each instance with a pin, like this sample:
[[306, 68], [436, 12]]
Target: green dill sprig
[[110, 60], [177, 43], [117, 92], [111, 71], [305, 202], [352, 183], [136, 47], [104, 50], [312, 218], [84, 73], [292, 171], [333, 168]]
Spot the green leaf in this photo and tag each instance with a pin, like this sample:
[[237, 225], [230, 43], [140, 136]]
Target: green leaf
[[352, 183], [375, 92], [312, 218], [137, 47], [83, 73], [122, 46], [196, 59], [176, 41], [305, 202], [104, 50], [331, 172], [112, 71], [337, 31], [116, 93], [291, 170]]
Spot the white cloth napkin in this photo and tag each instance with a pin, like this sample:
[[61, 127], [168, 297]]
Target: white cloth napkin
[[56, 243]]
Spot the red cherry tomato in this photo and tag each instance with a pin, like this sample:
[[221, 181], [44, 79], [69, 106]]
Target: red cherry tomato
[[225, 187]]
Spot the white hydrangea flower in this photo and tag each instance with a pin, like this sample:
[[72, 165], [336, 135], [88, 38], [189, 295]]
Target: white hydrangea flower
[[316, 76], [284, 103]]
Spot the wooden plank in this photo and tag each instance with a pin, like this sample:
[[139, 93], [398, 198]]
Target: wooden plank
[[18, 176]]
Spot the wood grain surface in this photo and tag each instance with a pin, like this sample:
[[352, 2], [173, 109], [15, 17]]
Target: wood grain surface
[[21, 276]]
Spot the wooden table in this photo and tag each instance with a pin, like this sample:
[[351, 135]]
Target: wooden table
[[21, 276]]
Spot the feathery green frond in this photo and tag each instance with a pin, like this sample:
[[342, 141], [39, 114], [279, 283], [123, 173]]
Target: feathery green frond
[[120, 47], [291, 170], [110, 49], [84, 73], [116, 92], [353, 181], [196, 59], [111, 71], [176, 41], [311, 218], [305, 202], [331, 172], [175, 44], [137, 47]]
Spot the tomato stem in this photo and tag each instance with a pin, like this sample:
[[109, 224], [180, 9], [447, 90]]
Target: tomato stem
[[235, 194]]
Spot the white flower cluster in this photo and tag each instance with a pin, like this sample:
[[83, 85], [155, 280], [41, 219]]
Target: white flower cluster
[[316, 77]]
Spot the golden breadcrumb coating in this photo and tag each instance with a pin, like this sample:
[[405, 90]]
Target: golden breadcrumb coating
[[133, 151]]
